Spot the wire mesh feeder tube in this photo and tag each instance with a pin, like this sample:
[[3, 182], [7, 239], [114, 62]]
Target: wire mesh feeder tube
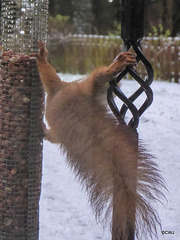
[[21, 108]]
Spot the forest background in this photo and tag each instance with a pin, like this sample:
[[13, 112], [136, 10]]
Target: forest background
[[84, 34]]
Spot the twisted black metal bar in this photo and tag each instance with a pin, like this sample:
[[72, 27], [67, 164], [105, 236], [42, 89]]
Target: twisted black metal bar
[[144, 87]]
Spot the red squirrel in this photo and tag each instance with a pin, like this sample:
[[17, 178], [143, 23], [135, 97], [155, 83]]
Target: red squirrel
[[102, 153]]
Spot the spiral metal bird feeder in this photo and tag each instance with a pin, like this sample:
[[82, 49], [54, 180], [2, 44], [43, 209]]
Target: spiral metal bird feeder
[[132, 21]]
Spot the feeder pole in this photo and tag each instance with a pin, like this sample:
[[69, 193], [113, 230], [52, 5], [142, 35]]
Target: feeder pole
[[132, 30], [23, 22]]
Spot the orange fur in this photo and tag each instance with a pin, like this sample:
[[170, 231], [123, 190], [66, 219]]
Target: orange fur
[[103, 153]]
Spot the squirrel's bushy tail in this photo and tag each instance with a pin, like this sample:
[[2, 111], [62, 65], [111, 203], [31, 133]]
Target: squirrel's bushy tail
[[118, 172]]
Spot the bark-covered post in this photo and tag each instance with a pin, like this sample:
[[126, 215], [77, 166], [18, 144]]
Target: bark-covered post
[[132, 28], [21, 113]]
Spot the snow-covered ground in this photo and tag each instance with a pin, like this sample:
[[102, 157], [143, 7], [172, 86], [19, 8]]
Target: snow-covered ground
[[65, 213]]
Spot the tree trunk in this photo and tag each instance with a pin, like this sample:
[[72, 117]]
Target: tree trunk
[[82, 16]]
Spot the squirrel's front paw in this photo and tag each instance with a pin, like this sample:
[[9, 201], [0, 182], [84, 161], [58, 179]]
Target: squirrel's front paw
[[122, 61], [42, 53]]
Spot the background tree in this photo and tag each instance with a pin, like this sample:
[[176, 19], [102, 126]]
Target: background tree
[[176, 18], [106, 15], [63, 7], [82, 15], [165, 13]]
